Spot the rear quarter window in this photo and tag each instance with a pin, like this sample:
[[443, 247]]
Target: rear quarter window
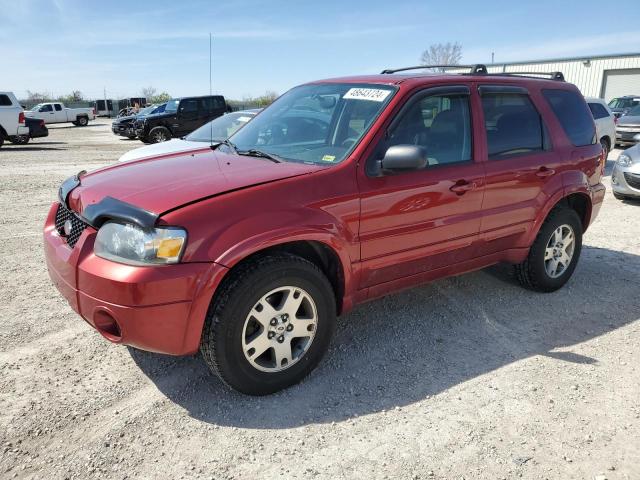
[[5, 101], [598, 111], [573, 114]]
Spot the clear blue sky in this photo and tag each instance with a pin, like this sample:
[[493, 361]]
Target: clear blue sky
[[62, 45]]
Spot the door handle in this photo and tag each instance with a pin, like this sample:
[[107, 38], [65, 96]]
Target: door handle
[[545, 172], [463, 186]]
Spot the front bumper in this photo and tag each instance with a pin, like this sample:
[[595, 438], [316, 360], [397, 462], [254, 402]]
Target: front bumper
[[160, 309], [626, 180], [625, 137]]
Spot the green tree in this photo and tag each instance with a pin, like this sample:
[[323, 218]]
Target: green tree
[[160, 98]]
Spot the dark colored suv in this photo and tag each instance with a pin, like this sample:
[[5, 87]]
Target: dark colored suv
[[341, 191], [181, 116]]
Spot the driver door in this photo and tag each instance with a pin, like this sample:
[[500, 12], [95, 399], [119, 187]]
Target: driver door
[[416, 221]]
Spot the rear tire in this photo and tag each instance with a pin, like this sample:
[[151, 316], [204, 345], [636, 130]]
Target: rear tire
[[82, 121], [257, 303], [553, 247], [159, 134], [19, 140]]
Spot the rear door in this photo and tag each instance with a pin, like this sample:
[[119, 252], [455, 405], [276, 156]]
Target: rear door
[[417, 221], [521, 167], [60, 114]]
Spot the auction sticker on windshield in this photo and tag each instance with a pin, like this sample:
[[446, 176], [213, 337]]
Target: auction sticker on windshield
[[373, 94]]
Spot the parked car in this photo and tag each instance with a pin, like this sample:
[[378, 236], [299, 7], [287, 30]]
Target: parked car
[[247, 252], [625, 178], [56, 112], [605, 123], [628, 126], [12, 119], [181, 116], [621, 105], [211, 133], [124, 126], [37, 129]]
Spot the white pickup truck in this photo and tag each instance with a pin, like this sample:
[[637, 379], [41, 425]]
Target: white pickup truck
[[12, 122], [56, 112]]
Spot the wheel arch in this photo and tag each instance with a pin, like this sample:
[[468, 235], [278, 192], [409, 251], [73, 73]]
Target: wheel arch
[[318, 252]]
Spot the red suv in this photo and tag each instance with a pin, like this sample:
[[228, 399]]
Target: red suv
[[341, 191]]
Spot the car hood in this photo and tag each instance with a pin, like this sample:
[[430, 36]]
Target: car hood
[[172, 146], [167, 182], [126, 118], [629, 119]]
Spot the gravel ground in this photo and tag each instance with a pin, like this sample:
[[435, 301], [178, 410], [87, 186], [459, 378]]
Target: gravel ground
[[469, 377]]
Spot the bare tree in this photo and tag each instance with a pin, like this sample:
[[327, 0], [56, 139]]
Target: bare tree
[[37, 97], [149, 92], [442, 54]]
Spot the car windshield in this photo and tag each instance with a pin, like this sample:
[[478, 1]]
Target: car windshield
[[147, 110], [634, 112], [319, 123], [624, 102], [172, 105], [221, 128], [35, 108]]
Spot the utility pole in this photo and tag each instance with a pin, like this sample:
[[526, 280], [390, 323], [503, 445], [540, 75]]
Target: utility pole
[[492, 57], [106, 105], [210, 63]]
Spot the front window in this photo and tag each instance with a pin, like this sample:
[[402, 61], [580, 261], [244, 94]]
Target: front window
[[221, 128], [172, 106], [319, 123]]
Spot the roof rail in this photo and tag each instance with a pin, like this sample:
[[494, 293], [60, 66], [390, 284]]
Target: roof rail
[[477, 69], [553, 75]]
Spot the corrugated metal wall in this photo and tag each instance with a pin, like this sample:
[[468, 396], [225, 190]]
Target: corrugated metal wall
[[587, 74]]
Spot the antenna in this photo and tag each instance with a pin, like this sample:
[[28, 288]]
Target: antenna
[[210, 102]]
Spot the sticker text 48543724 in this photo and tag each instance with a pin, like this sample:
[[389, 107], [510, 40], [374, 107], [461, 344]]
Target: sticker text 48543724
[[372, 94]]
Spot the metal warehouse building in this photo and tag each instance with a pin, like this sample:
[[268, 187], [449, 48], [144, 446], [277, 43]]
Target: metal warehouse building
[[605, 76]]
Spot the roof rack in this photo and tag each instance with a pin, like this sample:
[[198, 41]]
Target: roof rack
[[477, 69], [553, 75]]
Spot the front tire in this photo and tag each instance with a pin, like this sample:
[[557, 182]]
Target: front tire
[[269, 324], [555, 252], [606, 148]]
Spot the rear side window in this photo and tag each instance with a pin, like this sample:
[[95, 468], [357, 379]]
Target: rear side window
[[573, 114], [598, 111], [189, 106], [513, 125], [5, 101], [58, 107]]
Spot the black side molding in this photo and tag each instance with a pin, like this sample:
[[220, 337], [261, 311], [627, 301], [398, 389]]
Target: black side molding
[[110, 208]]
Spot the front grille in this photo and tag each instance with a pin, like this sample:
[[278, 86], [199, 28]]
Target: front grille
[[632, 180], [77, 226]]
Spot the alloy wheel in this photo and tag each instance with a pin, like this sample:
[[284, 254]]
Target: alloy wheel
[[559, 251], [279, 329]]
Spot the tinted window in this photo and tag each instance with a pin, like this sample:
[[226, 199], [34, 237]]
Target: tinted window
[[5, 101], [575, 117], [513, 125], [188, 106], [598, 111], [441, 124], [58, 107], [46, 108]]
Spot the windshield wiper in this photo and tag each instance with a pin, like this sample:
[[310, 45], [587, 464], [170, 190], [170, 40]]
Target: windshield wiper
[[229, 144], [260, 154]]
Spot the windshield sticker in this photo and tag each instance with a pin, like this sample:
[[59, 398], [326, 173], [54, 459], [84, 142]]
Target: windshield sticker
[[372, 94], [244, 119], [329, 158]]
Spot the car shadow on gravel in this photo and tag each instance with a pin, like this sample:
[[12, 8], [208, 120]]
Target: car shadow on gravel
[[409, 346], [34, 148]]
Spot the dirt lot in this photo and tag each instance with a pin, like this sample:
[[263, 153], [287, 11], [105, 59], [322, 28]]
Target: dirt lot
[[471, 377]]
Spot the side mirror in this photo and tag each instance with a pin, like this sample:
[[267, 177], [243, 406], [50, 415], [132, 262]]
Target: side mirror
[[636, 138], [400, 158]]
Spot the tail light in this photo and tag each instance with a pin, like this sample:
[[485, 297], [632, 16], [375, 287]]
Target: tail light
[[41, 123], [21, 118], [93, 111]]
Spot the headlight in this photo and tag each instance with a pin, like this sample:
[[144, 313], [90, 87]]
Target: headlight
[[134, 246], [625, 160]]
